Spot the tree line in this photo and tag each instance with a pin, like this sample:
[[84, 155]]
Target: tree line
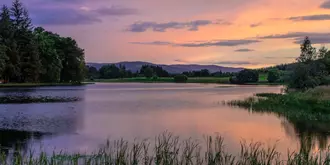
[[113, 71], [32, 54], [311, 69]]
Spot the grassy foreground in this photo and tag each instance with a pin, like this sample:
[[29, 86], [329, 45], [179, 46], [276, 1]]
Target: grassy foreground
[[170, 150], [22, 85]]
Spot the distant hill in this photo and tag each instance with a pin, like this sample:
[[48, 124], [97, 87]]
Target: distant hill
[[176, 68]]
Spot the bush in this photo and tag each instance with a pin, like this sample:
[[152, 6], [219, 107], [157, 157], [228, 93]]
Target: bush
[[305, 76], [273, 76], [233, 80], [245, 76], [148, 72], [325, 80], [180, 78], [154, 77]]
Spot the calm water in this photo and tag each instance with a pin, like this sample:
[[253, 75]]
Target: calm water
[[141, 111]]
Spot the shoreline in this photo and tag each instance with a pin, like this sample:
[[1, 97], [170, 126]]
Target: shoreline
[[27, 85], [199, 80]]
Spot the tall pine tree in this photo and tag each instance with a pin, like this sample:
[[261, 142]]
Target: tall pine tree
[[28, 50], [11, 71], [308, 52]]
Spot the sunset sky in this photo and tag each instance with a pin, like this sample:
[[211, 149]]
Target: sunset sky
[[238, 33]]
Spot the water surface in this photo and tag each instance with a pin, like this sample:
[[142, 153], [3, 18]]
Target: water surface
[[134, 110]]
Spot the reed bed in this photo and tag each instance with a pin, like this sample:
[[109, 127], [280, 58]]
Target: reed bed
[[170, 150]]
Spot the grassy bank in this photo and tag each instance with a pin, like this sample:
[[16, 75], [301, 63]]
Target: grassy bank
[[35, 99], [22, 85], [170, 150], [311, 105]]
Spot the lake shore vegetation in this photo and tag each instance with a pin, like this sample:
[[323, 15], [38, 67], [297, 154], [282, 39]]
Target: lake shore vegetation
[[305, 101], [168, 149]]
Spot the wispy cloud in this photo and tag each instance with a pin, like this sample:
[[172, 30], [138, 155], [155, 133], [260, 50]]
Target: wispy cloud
[[81, 16], [181, 61], [319, 17], [63, 16], [235, 63], [163, 27], [325, 4], [116, 11], [255, 24], [298, 37], [229, 43], [244, 50], [273, 57]]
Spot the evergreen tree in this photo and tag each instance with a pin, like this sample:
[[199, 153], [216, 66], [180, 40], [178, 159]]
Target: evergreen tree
[[3, 59], [28, 50], [30, 54], [308, 52], [11, 70], [322, 52]]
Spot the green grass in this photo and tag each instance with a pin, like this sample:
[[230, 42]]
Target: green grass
[[263, 77], [211, 80], [263, 81], [308, 105], [170, 150], [35, 99], [223, 80], [17, 85]]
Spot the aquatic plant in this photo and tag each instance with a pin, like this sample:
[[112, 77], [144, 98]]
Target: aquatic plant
[[168, 149]]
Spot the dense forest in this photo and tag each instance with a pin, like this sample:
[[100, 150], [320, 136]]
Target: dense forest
[[32, 54]]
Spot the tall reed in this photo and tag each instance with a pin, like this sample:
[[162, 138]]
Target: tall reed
[[168, 149]]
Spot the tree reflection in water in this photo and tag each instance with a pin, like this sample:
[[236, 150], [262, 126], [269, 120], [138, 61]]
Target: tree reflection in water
[[17, 140]]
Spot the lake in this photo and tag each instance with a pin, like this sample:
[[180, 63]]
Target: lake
[[138, 111]]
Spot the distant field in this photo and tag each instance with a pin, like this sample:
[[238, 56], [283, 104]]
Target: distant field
[[219, 80], [224, 80], [263, 78]]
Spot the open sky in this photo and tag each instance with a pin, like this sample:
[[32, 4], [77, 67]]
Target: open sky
[[239, 33]]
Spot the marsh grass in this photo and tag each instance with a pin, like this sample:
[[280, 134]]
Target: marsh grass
[[35, 99], [311, 105], [170, 150]]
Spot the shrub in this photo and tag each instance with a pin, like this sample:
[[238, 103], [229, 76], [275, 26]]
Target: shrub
[[148, 72], [154, 77], [233, 80], [305, 76], [245, 76], [273, 76], [180, 78]]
